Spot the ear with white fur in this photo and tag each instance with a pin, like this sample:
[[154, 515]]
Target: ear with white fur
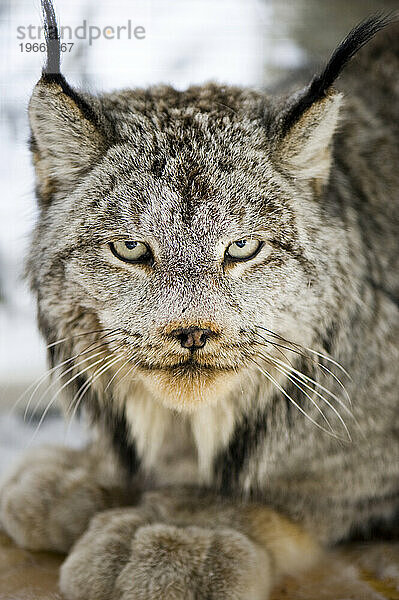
[[67, 136], [305, 149], [69, 132]]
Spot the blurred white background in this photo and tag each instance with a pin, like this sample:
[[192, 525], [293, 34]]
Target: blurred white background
[[247, 42]]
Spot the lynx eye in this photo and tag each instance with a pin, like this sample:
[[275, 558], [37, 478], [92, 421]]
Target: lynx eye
[[243, 250], [131, 251]]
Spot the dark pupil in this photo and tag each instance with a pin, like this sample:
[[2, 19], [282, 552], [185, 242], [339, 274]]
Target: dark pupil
[[241, 243], [130, 245]]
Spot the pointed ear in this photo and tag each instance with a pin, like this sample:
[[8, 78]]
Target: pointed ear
[[69, 130], [303, 129], [305, 148], [67, 136]]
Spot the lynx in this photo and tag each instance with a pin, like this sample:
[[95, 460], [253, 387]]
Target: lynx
[[216, 274]]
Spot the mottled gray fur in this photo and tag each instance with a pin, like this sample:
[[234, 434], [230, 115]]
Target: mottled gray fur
[[188, 173]]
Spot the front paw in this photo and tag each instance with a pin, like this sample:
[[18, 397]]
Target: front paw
[[49, 499], [125, 555]]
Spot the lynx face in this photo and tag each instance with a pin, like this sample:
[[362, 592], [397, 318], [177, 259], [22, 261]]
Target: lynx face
[[182, 236]]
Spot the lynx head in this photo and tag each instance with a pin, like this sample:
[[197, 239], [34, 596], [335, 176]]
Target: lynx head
[[177, 230]]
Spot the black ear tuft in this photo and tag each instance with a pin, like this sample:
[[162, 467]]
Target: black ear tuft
[[52, 67], [321, 84]]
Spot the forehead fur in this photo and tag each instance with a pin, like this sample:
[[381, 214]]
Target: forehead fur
[[210, 124], [182, 159], [162, 105]]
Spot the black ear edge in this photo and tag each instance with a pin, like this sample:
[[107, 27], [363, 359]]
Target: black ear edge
[[322, 83], [85, 108]]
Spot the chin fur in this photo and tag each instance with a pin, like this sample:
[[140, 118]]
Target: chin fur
[[186, 390]]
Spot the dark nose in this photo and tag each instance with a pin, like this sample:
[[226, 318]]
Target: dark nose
[[192, 337]]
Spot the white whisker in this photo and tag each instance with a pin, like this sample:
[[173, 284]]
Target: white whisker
[[282, 390], [315, 362], [128, 373], [293, 377], [83, 389], [50, 404], [74, 366], [337, 380], [316, 383], [70, 337], [38, 382], [115, 375], [331, 360], [315, 352]]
